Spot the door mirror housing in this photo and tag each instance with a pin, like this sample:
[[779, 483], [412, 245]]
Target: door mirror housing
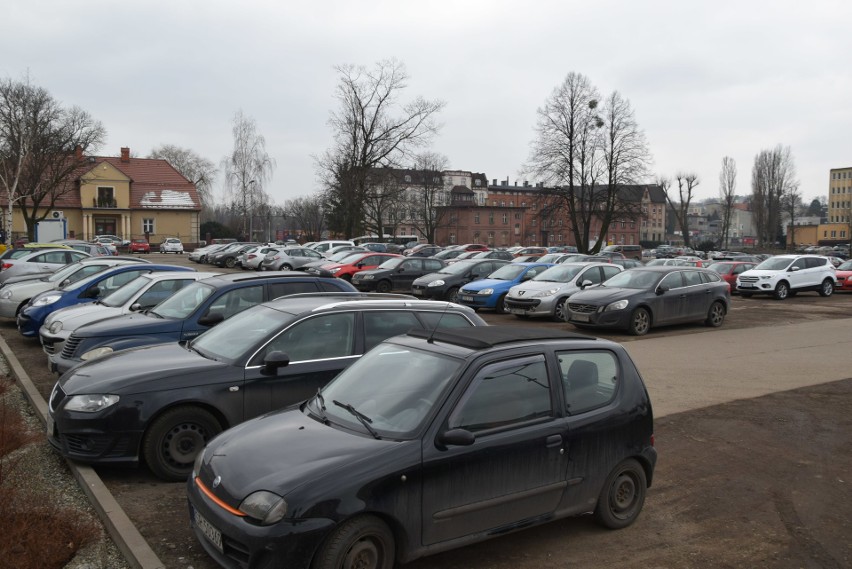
[[457, 437], [93, 292], [135, 307], [661, 290], [274, 360], [211, 319]]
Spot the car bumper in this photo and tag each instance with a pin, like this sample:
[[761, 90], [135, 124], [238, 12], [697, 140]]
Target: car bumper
[[619, 319], [29, 323], [477, 301], [93, 439], [289, 542], [429, 292], [756, 288], [536, 307], [8, 307], [364, 286]]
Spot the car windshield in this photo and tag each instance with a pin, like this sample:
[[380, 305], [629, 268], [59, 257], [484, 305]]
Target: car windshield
[[634, 278], [774, 264], [847, 266], [395, 403], [459, 268], [558, 274], [392, 263], [184, 302], [229, 340], [550, 257], [720, 267], [339, 257], [64, 273], [508, 272], [123, 294]]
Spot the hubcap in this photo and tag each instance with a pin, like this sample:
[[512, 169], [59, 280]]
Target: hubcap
[[182, 444], [363, 555]]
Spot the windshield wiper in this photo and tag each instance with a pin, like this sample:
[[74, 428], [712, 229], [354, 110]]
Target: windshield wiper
[[320, 405], [365, 420]]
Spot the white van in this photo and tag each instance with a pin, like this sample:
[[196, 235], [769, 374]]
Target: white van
[[323, 246]]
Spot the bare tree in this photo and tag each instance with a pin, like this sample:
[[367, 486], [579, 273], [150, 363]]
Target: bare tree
[[247, 170], [565, 154], [427, 194], [384, 202], [686, 183], [773, 174], [306, 217], [791, 203], [200, 171], [371, 129], [727, 194], [41, 145]]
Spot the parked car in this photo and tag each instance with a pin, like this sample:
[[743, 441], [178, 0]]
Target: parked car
[[447, 254], [730, 270], [110, 242], [629, 251], [228, 257], [290, 258], [639, 299], [446, 283], [23, 248], [342, 248], [265, 358], [252, 258], [199, 255], [425, 251], [491, 291], [139, 246], [431, 441], [171, 245], [26, 261], [322, 246], [186, 314], [545, 294], [93, 249], [15, 296], [395, 274], [90, 289], [142, 293], [494, 254], [628, 263], [844, 276], [354, 264], [785, 275]]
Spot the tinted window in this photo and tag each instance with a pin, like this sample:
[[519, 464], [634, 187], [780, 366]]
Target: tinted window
[[379, 326], [672, 280], [692, 278], [593, 275], [161, 291], [589, 379], [504, 394], [318, 338], [813, 262], [283, 289], [237, 300], [114, 282], [609, 272]]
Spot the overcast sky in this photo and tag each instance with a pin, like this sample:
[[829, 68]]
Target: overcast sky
[[705, 79]]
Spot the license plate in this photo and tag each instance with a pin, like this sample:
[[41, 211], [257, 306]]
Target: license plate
[[417, 291], [747, 286], [517, 311], [580, 317], [49, 425], [467, 299], [213, 535]]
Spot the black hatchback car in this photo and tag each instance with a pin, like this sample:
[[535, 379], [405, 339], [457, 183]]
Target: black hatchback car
[[447, 282], [162, 403], [395, 274], [431, 441], [644, 297]]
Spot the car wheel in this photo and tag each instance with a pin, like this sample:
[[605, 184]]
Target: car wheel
[[383, 286], [827, 288], [782, 290], [559, 313], [716, 315], [500, 307], [286, 267], [230, 262], [453, 294], [175, 438], [622, 496], [640, 322], [364, 542]]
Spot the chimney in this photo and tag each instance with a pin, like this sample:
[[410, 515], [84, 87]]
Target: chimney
[[125, 154], [495, 182]]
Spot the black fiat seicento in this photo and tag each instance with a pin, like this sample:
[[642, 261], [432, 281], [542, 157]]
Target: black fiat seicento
[[430, 441]]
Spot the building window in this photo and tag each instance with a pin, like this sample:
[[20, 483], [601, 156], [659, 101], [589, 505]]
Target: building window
[[505, 218], [148, 226], [478, 182], [511, 204], [523, 204], [106, 197], [502, 203], [407, 178], [491, 218], [452, 238], [476, 218]]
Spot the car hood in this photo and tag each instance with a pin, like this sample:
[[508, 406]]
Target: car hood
[[287, 449], [604, 295], [139, 370], [130, 324], [426, 279], [72, 317], [488, 283], [531, 287], [27, 289]]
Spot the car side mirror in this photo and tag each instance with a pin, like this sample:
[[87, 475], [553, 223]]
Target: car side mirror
[[93, 292], [794, 268], [456, 437], [135, 307], [526, 277], [585, 283], [211, 319], [274, 360], [660, 290]]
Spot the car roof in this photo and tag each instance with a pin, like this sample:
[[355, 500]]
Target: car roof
[[484, 337], [226, 279], [314, 302], [669, 268], [171, 275]]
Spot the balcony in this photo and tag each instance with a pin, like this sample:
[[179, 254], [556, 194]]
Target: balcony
[[104, 203]]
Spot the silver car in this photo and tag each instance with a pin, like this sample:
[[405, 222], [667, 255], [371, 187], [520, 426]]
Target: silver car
[[545, 294], [290, 258], [41, 260]]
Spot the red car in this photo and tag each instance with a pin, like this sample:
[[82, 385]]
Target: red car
[[140, 246], [844, 276], [729, 270], [355, 265]]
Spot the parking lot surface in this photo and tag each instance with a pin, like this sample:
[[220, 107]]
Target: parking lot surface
[[754, 436]]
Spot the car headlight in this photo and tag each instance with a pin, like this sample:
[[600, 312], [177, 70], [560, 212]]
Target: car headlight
[[438, 282], [264, 506], [765, 277], [46, 300], [619, 305], [55, 327], [96, 353], [90, 403], [486, 292], [6, 294], [367, 277], [548, 292], [334, 270]]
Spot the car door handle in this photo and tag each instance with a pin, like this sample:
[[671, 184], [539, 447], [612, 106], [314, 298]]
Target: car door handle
[[553, 441]]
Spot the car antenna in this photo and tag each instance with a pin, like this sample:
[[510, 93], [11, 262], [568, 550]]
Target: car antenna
[[430, 339]]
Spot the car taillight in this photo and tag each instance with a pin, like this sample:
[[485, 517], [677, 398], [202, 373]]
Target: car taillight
[[252, 256], [5, 266]]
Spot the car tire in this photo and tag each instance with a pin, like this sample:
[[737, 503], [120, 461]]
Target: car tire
[[363, 542], [383, 286], [827, 288], [782, 290], [716, 315], [286, 267], [230, 262], [500, 307], [559, 314], [453, 294], [622, 495], [175, 438], [640, 322]]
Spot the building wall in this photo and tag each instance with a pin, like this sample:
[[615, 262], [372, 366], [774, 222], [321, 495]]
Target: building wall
[[840, 196]]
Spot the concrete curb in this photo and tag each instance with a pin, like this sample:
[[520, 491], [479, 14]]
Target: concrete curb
[[133, 546]]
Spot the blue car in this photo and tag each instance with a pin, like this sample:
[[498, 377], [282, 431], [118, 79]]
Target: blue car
[[90, 289], [490, 292]]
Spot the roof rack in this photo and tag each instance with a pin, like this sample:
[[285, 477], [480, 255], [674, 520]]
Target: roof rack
[[482, 337]]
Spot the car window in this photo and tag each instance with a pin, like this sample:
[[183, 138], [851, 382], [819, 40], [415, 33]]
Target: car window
[[672, 280], [589, 379], [504, 394], [283, 289], [318, 338], [161, 291], [237, 300], [692, 278], [593, 274], [413, 265], [813, 262], [57, 257], [114, 282], [798, 264], [381, 325], [76, 256], [709, 277]]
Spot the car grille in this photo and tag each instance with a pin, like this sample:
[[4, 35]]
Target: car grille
[[749, 279], [48, 347], [582, 308], [95, 445], [70, 346], [525, 304]]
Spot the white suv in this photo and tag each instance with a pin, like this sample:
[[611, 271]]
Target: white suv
[[171, 245], [785, 275]]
